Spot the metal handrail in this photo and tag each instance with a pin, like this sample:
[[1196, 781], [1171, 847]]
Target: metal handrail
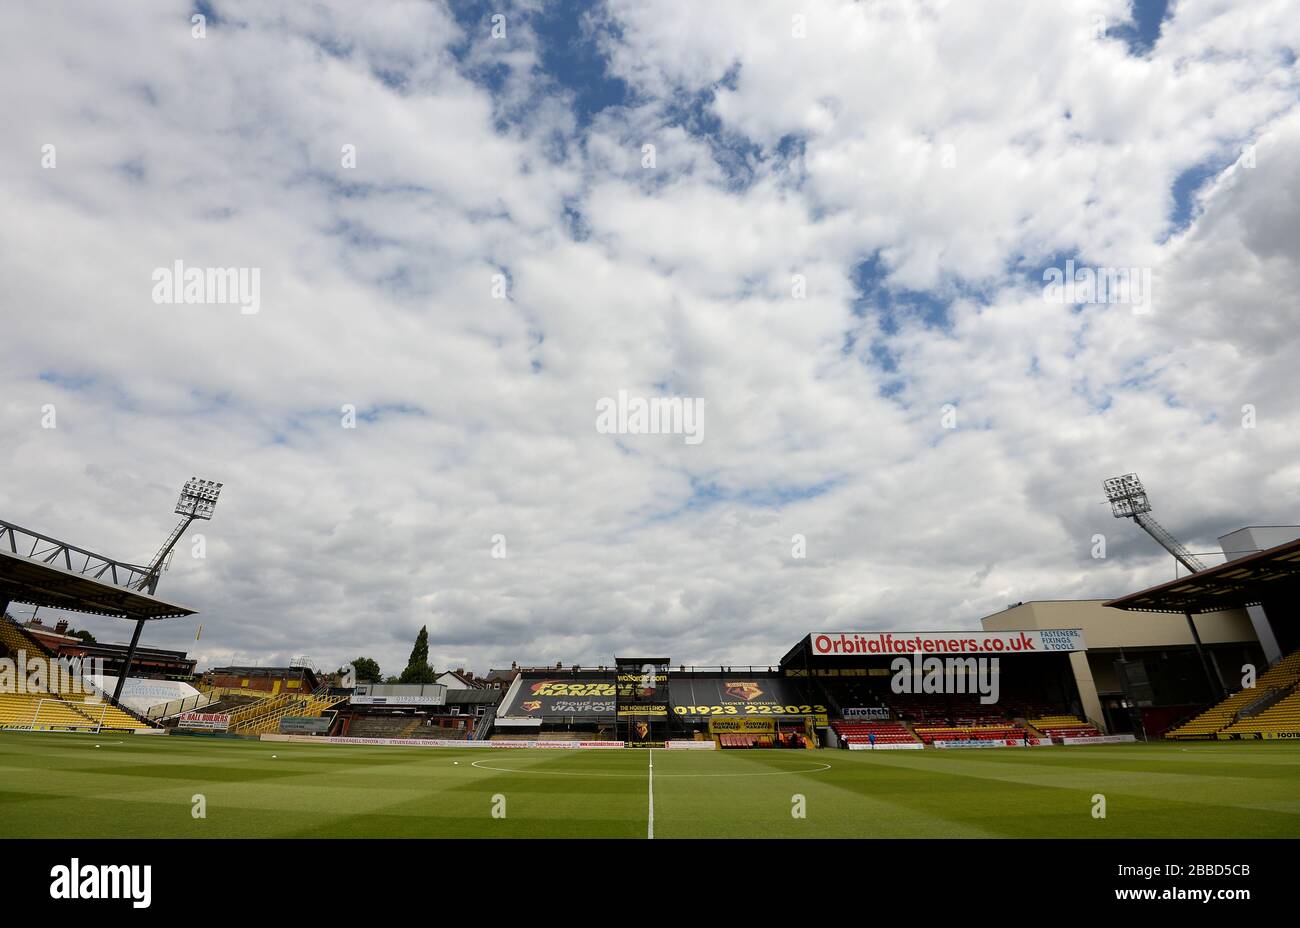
[[177, 706]]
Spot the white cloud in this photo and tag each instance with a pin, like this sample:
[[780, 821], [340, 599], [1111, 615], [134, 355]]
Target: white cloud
[[478, 413]]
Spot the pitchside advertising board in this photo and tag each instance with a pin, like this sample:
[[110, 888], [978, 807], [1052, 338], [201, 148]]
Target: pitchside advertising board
[[204, 721], [742, 726], [869, 644], [954, 744]]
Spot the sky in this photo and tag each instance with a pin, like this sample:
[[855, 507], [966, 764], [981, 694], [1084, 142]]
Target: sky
[[827, 224]]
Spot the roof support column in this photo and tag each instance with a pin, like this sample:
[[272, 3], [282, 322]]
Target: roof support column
[[1211, 677], [126, 666]]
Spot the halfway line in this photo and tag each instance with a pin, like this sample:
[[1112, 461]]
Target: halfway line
[[650, 822]]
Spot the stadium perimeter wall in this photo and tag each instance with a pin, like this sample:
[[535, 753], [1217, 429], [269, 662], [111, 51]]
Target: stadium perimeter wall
[[442, 743]]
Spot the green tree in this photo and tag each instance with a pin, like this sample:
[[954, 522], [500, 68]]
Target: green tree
[[367, 670], [417, 667]]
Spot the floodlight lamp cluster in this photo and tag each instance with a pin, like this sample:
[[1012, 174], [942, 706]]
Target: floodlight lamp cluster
[[1128, 498], [198, 498]]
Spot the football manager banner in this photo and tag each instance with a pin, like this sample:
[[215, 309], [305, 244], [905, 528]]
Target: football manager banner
[[562, 697]]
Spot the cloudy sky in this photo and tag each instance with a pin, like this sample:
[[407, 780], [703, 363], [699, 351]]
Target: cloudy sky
[[829, 222]]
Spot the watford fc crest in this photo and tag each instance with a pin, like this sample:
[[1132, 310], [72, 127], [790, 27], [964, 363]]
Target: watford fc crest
[[745, 691], [532, 705], [642, 731]]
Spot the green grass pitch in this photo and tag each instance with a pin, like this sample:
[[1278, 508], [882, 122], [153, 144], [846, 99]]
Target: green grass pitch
[[57, 785]]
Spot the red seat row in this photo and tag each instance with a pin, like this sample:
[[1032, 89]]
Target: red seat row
[[861, 732]]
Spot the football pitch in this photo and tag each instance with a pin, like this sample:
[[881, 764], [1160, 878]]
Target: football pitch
[[73, 786]]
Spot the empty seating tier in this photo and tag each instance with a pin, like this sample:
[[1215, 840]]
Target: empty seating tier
[[43, 712], [1064, 726], [1281, 718], [885, 732], [1283, 675], [930, 733], [744, 741]]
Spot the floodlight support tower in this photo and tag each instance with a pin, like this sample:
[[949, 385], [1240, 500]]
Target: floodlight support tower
[[1169, 542], [1128, 500], [197, 501]]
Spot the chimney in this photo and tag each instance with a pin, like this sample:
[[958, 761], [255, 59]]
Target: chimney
[[61, 626]]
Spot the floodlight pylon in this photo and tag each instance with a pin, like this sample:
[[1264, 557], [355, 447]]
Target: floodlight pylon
[[198, 500], [1128, 500]]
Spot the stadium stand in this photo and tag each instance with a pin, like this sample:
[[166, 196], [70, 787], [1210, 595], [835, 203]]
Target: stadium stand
[[1283, 675], [43, 711], [844, 692], [267, 720], [1064, 726], [382, 726], [919, 708], [1283, 717], [261, 706], [38, 711], [110, 717], [59, 704], [414, 727], [929, 733], [225, 705], [556, 735], [440, 733], [885, 732], [14, 639], [745, 741]]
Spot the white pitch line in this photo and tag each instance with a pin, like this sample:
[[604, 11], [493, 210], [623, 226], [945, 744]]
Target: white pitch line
[[483, 765], [650, 822]]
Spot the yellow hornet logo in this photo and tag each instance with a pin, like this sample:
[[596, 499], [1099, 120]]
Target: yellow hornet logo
[[642, 730], [532, 705], [746, 691]]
